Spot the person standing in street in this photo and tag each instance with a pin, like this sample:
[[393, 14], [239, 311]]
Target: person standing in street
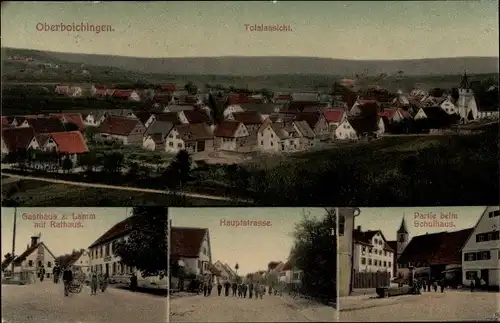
[[442, 284], [42, 273], [234, 288], [250, 290], [256, 290], [133, 282], [94, 281], [245, 289], [56, 271], [227, 285], [205, 288], [219, 288], [210, 288], [67, 280], [471, 285]]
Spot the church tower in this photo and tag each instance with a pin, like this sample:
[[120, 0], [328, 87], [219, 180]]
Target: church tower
[[402, 238], [466, 102]]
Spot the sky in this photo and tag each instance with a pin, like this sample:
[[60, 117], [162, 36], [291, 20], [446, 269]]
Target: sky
[[417, 219], [331, 29], [251, 247], [59, 240]]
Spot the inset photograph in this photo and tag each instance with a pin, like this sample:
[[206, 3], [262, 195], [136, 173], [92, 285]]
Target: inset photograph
[[419, 264], [84, 265], [253, 265]]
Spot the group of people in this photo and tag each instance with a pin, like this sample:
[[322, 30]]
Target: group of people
[[426, 285], [96, 280], [253, 290]]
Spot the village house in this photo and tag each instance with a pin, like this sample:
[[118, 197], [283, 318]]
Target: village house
[[155, 135], [357, 128], [190, 137], [481, 251], [127, 131], [27, 265], [317, 122], [70, 144], [172, 117], [190, 248], [372, 253], [101, 251], [80, 262], [434, 117], [265, 109], [225, 272], [194, 116], [345, 253], [279, 137], [17, 139], [435, 255], [231, 135], [144, 117], [363, 108], [290, 274], [129, 95], [334, 118], [307, 135], [94, 119], [252, 120]]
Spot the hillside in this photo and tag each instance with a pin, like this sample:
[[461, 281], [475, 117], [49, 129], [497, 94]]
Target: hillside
[[261, 66]]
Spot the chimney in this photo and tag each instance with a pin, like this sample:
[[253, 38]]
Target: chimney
[[34, 240], [358, 228]]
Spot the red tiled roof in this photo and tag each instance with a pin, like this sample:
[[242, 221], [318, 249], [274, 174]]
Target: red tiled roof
[[122, 126], [117, 231], [29, 251], [193, 132], [70, 142], [75, 118], [248, 117], [422, 249], [125, 94], [334, 115], [46, 125], [196, 116], [227, 128], [186, 242], [367, 236], [168, 87], [450, 249], [17, 138]]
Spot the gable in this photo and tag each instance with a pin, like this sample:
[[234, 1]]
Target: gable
[[484, 224], [242, 131]]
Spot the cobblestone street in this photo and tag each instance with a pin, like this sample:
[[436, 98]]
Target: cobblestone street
[[430, 306], [232, 309], [45, 303]]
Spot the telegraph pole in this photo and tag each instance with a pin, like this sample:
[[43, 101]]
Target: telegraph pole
[[14, 240]]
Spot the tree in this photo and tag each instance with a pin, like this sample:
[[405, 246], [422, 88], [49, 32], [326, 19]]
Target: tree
[[113, 162], [314, 252], [67, 164], [88, 161], [180, 168], [146, 249], [70, 126], [191, 88], [216, 108]]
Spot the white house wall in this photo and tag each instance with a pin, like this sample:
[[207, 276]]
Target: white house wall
[[173, 142]]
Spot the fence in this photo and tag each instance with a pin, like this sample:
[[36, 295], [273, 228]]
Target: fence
[[371, 279]]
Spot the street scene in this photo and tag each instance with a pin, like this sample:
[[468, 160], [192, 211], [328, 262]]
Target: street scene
[[76, 264], [252, 265], [397, 263]]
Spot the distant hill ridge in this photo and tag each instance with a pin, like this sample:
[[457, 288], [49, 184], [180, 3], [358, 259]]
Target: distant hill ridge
[[269, 65]]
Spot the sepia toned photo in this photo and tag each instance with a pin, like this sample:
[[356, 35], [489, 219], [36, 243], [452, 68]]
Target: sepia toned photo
[[253, 265], [419, 264], [264, 103], [90, 265]]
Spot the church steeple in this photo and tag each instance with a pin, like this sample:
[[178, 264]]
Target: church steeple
[[402, 228], [464, 84]]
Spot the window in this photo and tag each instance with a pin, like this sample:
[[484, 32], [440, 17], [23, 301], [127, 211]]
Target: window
[[262, 142], [363, 261], [369, 262], [488, 236], [471, 275], [341, 225], [199, 264], [363, 249], [390, 264], [385, 253], [494, 213], [271, 143], [204, 250], [30, 263], [272, 135], [107, 249], [39, 263], [49, 264], [385, 263], [370, 250], [376, 241], [179, 145]]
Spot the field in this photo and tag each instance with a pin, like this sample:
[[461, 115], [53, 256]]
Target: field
[[36, 193]]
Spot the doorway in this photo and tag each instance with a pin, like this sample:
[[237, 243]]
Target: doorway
[[485, 276], [107, 269], [201, 145]]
